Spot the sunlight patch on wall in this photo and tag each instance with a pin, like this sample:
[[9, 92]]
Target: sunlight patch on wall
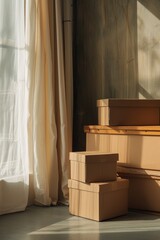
[[148, 29]]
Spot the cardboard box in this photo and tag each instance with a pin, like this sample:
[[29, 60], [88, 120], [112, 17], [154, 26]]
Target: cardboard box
[[93, 166], [136, 150], [98, 201], [128, 112], [144, 188]]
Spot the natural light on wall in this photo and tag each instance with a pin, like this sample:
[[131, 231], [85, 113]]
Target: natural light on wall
[[148, 29]]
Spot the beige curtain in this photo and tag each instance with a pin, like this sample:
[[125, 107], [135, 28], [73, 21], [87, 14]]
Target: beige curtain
[[50, 101]]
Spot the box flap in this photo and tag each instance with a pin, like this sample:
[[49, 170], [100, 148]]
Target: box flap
[[128, 103], [93, 156], [99, 187]]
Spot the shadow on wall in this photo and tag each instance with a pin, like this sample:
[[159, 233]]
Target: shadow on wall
[[144, 93], [152, 6]]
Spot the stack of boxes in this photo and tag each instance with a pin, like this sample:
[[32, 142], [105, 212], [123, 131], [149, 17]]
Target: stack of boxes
[[132, 129], [95, 192]]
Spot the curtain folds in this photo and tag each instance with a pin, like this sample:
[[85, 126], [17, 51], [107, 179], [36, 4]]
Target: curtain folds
[[48, 123], [35, 104]]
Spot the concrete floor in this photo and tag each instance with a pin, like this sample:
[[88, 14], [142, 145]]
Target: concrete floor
[[42, 223]]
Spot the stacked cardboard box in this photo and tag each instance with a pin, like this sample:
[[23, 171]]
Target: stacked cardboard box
[[94, 190], [133, 112], [131, 128]]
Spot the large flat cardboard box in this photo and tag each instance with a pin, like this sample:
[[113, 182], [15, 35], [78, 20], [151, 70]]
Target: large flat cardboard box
[[121, 112], [144, 188], [98, 201], [137, 146], [92, 166]]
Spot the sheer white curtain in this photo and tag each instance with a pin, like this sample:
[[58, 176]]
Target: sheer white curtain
[[35, 131], [13, 95]]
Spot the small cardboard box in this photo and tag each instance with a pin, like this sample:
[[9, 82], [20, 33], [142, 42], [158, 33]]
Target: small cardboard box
[[144, 188], [98, 201], [93, 166], [134, 112]]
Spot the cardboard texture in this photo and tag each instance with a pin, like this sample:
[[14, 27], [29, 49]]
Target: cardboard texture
[[144, 188], [98, 201], [114, 112], [93, 166], [136, 151]]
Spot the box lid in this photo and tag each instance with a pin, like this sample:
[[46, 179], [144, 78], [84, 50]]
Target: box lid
[[99, 187], [128, 102], [93, 156]]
